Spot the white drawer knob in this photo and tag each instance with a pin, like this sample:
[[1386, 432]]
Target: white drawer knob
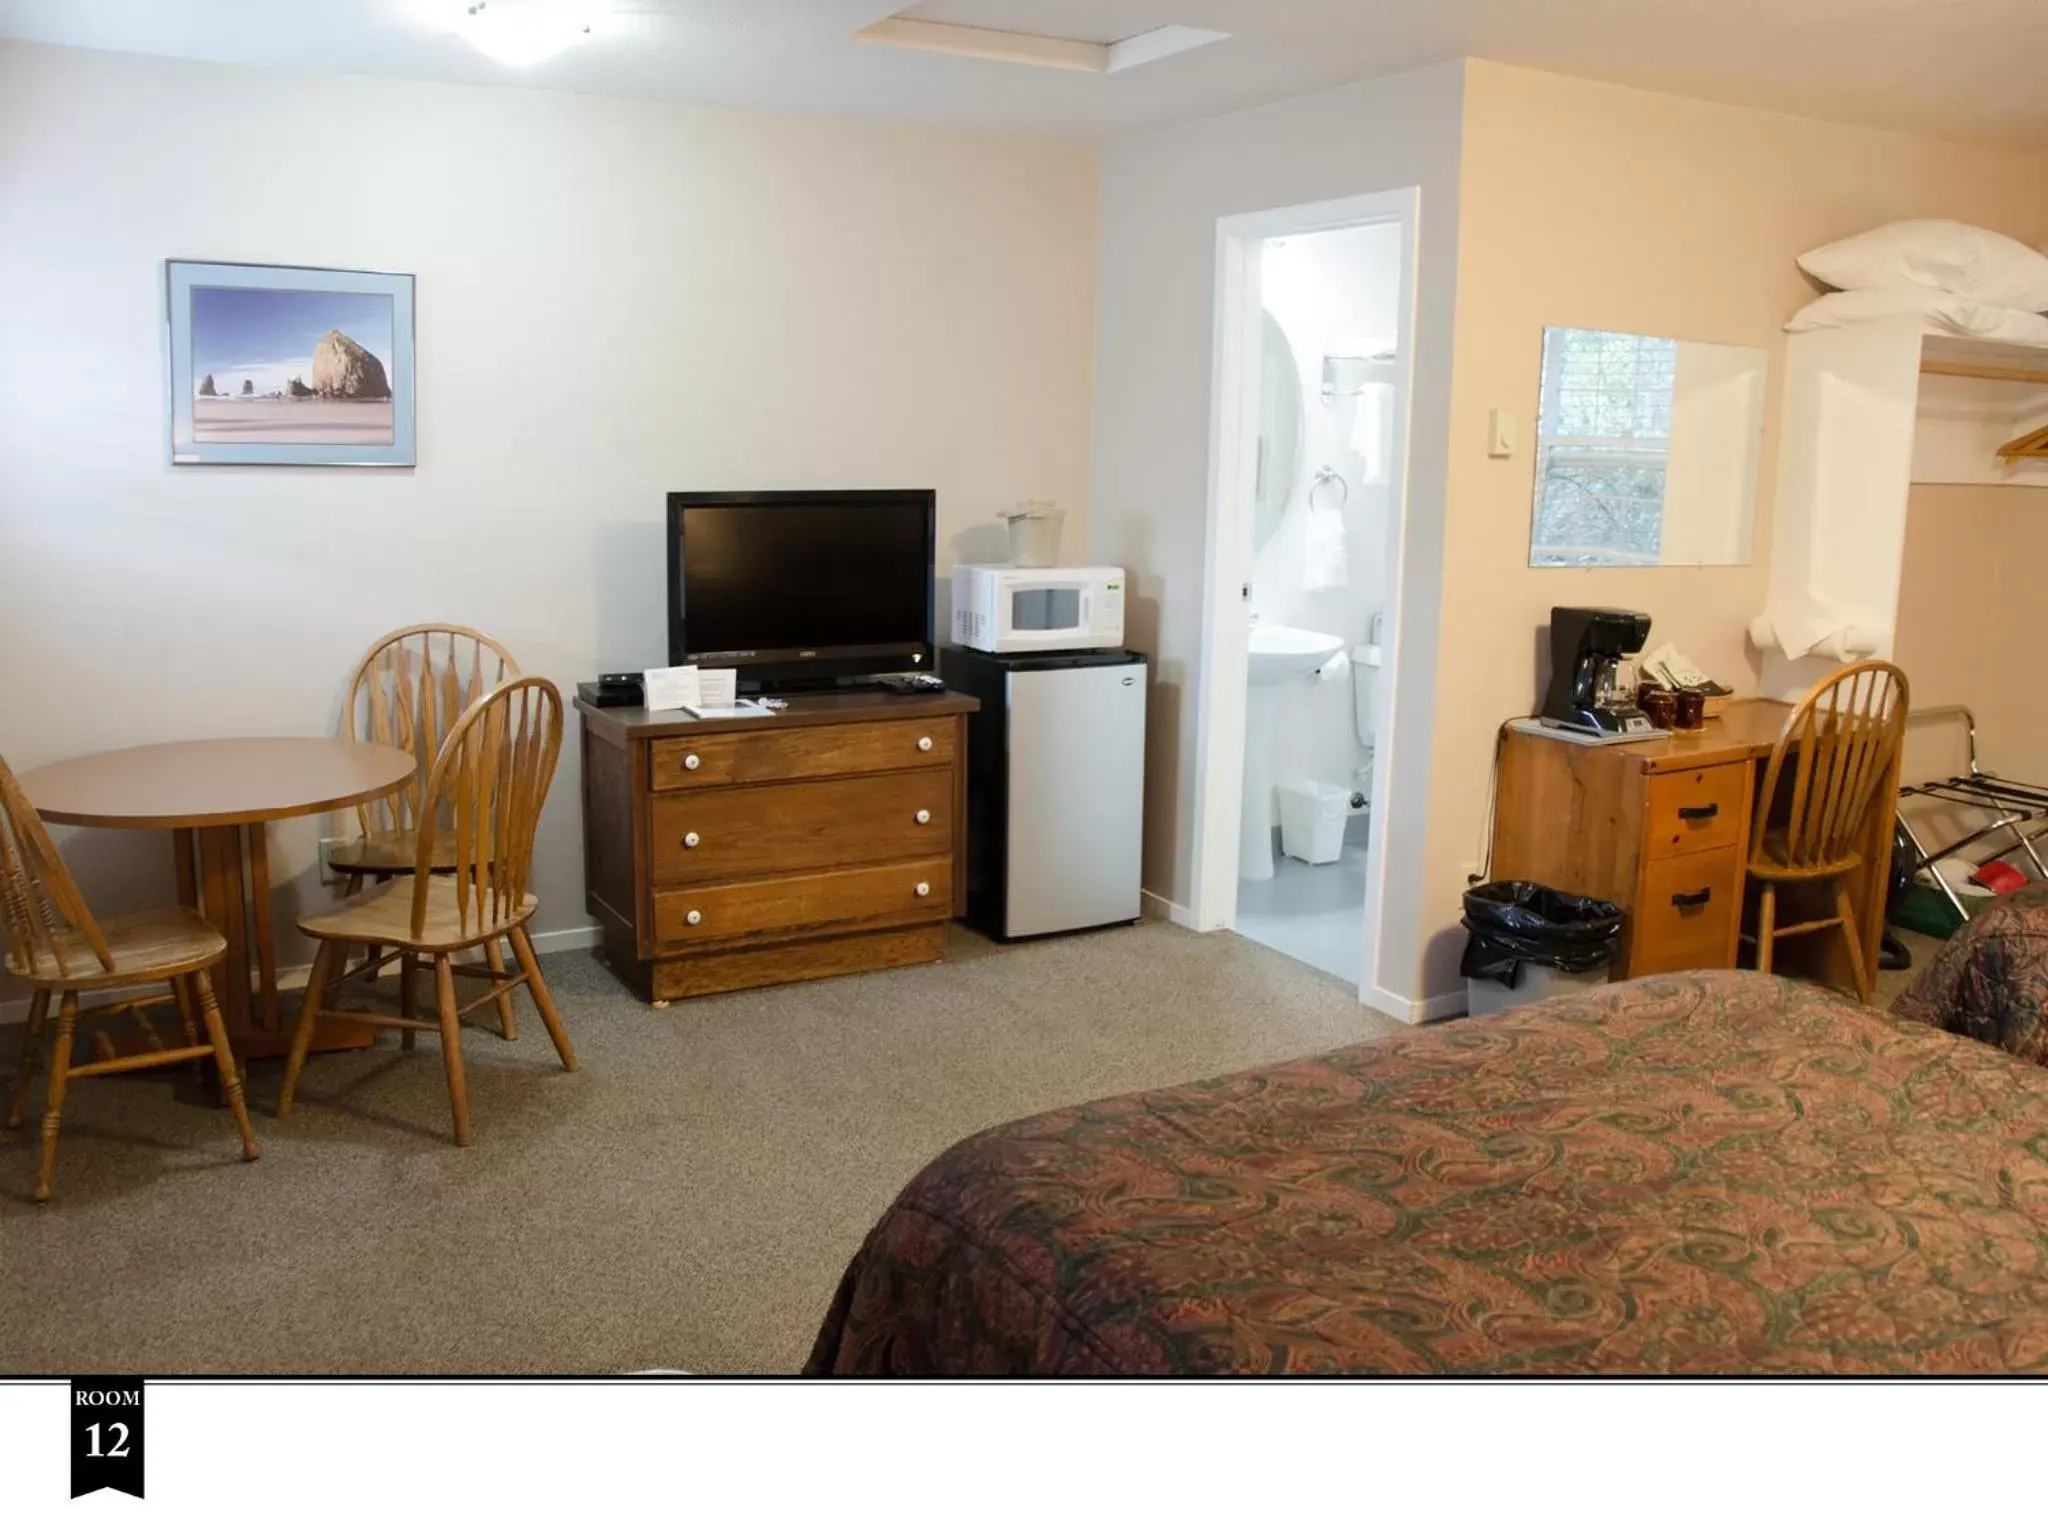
[[693, 917], [924, 887], [923, 817], [690, 762], [689, 839], [924, 743]]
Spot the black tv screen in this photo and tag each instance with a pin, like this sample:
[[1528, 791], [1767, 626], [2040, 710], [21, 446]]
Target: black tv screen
[[794, 586]]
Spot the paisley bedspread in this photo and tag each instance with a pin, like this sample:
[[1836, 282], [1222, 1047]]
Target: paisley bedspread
[[1990, 981], [1704, 1172]]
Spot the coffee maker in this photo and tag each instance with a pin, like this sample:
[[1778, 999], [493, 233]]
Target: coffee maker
[[1585, 695]]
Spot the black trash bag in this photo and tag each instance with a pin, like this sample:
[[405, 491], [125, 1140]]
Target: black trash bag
[[1510, 921]]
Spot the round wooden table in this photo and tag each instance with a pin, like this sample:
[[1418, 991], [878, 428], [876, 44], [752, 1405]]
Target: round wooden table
[[215, 797]]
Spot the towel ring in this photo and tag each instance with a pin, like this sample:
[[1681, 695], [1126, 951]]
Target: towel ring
[[1326, 476]]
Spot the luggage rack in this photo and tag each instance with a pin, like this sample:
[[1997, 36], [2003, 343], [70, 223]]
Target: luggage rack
[[2017, 807]]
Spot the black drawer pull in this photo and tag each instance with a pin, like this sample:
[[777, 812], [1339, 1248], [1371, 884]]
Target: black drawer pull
[[1687, 900], [1699, 812]]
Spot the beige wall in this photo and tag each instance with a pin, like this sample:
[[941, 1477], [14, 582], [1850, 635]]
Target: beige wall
[[615, 299], [1594, 205], [1969, 627]]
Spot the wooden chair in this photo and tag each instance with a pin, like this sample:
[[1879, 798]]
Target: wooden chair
[[58, 948], [489, 782], [407, 691], [1842, 746]]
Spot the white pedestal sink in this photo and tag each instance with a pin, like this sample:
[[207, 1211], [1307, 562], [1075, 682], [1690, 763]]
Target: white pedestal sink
[[1279, 656]]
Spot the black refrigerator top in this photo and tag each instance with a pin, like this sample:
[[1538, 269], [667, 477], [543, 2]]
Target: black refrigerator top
[[1046, 661]]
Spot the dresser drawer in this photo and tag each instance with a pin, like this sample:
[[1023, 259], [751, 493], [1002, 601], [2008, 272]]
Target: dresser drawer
[[1687, 917], [879, 892], [1692, 811], [783, 828], [750, 757]]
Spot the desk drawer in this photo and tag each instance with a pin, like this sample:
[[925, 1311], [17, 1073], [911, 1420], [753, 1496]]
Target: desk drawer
[[718, 834], [879, 892], [1694, 810], [750, 757], [1687, 917]]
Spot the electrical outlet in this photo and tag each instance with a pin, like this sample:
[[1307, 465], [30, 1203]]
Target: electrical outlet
[[327, 874]]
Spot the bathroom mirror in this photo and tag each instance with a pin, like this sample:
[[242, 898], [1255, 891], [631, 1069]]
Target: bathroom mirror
[[1646, 450], [1280, 427]]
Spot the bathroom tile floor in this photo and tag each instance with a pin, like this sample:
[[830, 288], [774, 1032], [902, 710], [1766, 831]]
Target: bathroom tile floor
[[1313, 912]]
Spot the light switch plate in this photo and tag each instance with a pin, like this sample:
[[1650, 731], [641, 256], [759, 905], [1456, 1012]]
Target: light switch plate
[[1500, 435]]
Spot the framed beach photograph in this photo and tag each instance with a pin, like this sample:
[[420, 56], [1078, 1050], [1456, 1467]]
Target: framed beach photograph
[[289, 365]]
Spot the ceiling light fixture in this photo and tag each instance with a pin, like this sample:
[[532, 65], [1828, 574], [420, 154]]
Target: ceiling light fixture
[[523, 33], [1032, 48]]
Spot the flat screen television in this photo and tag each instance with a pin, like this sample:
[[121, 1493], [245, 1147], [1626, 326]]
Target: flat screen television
[[801, 588]]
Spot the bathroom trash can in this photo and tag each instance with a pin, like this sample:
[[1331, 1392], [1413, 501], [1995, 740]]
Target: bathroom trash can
[[1312, 817], [1526, 942]]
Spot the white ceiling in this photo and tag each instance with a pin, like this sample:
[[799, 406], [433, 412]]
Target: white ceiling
[[1969, 68]]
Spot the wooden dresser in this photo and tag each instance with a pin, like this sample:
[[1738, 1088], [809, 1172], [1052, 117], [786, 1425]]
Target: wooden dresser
[[828, 839], [1661, 828]]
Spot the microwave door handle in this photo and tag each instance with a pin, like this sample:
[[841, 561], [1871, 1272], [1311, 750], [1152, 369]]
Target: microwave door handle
[[1087, 609]]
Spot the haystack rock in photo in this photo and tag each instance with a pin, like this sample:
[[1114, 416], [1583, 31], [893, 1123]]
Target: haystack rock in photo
[[248, 387], [206, 385], [344, 370]]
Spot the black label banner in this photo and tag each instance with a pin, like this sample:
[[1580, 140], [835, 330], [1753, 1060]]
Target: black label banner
[[106, 1434]]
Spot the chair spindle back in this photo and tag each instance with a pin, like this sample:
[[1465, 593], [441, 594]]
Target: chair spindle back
[[1842, 745], [489, 783], [407, 692], [39, 901]]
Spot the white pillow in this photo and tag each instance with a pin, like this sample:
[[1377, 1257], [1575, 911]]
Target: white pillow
[[1940, 313], [1962, 259]]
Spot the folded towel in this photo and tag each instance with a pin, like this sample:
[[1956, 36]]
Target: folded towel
[[1372, 433]]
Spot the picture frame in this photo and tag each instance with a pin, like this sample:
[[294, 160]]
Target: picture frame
[[289, 365]]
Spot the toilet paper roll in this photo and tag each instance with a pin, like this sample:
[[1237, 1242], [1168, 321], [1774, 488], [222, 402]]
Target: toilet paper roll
[[1335, 670]]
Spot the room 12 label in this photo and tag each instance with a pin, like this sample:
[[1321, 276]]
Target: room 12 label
[[106, 1434]]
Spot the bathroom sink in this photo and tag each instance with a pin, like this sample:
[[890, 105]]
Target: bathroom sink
[[1279, 652]]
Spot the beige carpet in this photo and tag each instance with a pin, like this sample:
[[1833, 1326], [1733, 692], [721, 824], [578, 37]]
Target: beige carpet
[[687, 1200]]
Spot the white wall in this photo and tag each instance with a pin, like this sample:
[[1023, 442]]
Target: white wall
[[1162, 193], [616, 299], [1331, 292]]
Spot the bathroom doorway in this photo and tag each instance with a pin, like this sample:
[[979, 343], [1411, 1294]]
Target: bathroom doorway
[[1307, 515]]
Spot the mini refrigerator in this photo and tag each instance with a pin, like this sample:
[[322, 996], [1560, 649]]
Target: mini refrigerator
[[1055, 788]]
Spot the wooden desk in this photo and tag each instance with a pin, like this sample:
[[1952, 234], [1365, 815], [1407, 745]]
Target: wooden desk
[[827, 838], [1662, 829], [215, 797]]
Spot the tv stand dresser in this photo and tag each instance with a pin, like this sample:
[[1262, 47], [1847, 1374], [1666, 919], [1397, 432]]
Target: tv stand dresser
[[826, 839]]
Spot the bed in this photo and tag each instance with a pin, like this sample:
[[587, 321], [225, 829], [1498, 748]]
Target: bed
[[1990, 981], [1699, 1172]]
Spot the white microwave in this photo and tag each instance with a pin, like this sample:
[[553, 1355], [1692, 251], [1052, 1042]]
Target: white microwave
[[1038, 608]]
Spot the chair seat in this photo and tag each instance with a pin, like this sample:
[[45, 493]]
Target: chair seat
[[146, 946], [390, 853], [383, 915], [1773, 861]]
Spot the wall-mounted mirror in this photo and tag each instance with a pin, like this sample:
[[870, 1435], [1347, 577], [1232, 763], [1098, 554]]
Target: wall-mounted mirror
[[1646, 450], [1280, 428]]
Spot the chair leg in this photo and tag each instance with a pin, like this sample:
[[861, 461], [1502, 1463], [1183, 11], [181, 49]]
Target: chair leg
[[224, 1058], [543, 1000], [53, 1105], [494, 957], [38, 1010], [408, 967], [1766, 926], [188, 1019], [451, 1045], [1864, 984], [309, 1019]]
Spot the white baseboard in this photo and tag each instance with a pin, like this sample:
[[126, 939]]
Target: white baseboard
[[1154, 905], [14, 1010], [1416, 1011]]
